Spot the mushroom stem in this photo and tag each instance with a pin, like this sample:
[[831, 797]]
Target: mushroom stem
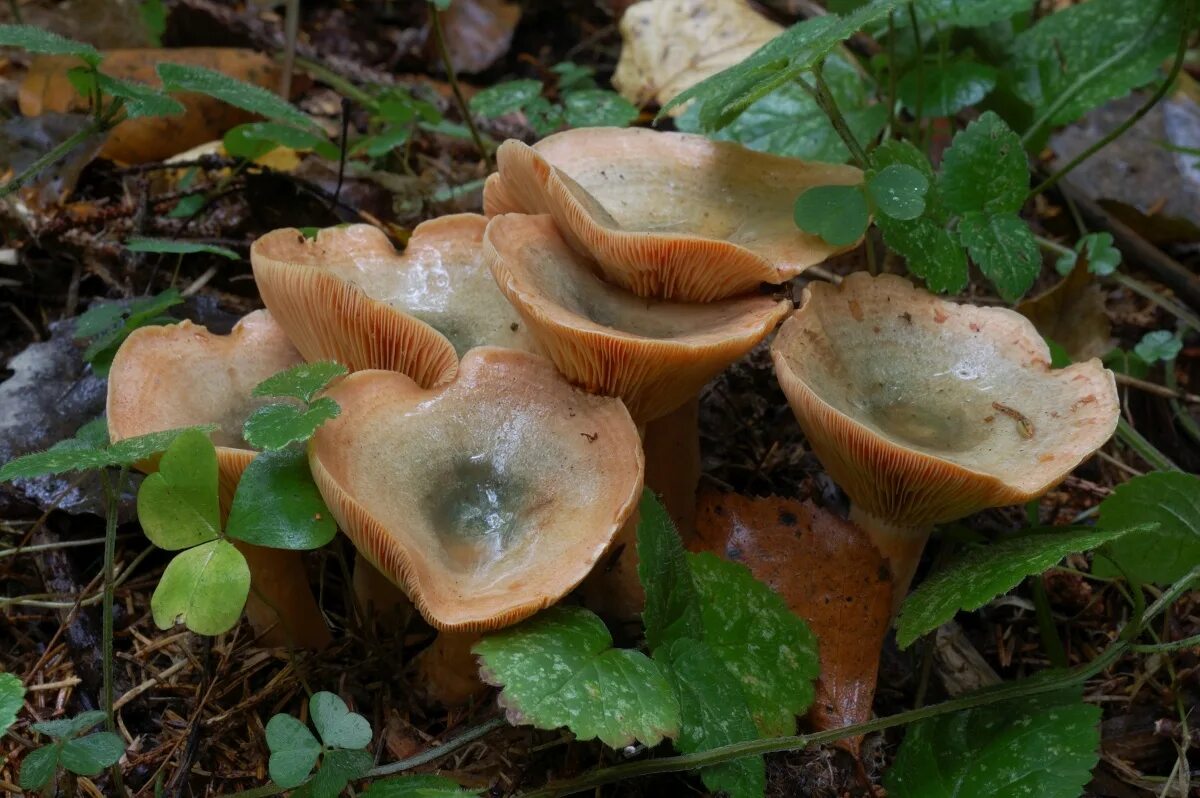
[[448, 671], [901, 546], [376, 595], [613, 589], [281, 607], [672, 447]]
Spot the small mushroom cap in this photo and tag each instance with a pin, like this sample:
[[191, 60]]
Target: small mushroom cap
[[925, 410], [348, 294], [181, 375], [655, 355], [668, 215], [487, 500]]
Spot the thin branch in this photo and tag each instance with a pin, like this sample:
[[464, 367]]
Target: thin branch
[[435, 16]]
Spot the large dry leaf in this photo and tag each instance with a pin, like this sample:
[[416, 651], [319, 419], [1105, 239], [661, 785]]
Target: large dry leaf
[[147, 139], [1072, 315], [828, 573], [671, 45], [478, 33]]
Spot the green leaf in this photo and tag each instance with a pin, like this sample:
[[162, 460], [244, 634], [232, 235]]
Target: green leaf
[[1004, 249], [838, 214], [544, 116], [984, 572], [559, 669], [338, 768], [337, 725], [69, 727], [276, 426], [384, 142], [294, 751], [277, 504], [946, 90], [37, 40], [713, 713], [154, 18], [1044, 746], [178, 505], [88, 756], [1102, 257], [188, 206], [1158, 345], [12, 698], [38, 767], [79, 454], [110, 323], [968, 13], [238, 93], [1124, 362], [140, 99], [128, 451], [726, 94], [301, 382], [933, 252], [421, 786], [899, 191], [984, 169], [574, 77], [672, 610], [255, 139], [167, 246], [769, 649], [597, 108], [1068, 53], [1170, 499], [504, 98], [205, 587]]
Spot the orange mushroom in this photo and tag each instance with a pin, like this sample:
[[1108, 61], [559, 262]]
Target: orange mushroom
[[925, 410], [486, 500], [182, 375], [667, 215]]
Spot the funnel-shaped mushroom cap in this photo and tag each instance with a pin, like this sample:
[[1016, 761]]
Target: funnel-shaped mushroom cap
[[182, 375], [347, 294], [925, 410], [668, 215], [654, 355], [487, 500]]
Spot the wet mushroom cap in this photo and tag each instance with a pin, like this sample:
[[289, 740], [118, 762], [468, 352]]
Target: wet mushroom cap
[[925, 410], [180, 375], [653, 354], [668, 215], [486, 500], [347, 294]]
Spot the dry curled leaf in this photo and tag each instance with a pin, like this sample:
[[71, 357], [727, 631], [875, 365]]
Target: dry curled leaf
[[829, 574], [1072, 315], [151, 138], [671, 45], [478, 33]]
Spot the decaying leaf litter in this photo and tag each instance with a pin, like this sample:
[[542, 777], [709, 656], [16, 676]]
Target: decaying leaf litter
[[193, 710]]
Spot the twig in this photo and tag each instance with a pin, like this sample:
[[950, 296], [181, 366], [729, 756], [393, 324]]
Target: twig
[[291, 29], [1165, 391], [435, 16], [56, 153]]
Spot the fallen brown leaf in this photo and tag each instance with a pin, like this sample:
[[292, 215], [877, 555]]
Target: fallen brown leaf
[[478, 33], [828, 573], [1072, 314]]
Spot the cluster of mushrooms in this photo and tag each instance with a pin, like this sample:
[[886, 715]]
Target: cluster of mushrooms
[[517, 377]]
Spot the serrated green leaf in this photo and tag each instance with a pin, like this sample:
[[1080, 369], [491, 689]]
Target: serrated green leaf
[[204, 587], [597, 108], [255, 139], [572, 76], [38, 40], [84, 453], [178, 505], [99, 318], [1044, 746], [968, 13], [88, 756], [1164, 555], [12, 698], [128, 451], [838, 214], [713, 713], [140, 99], [770, 650], [338, 768], [544, 116], [94, 434], [898, 190], [277, 426], [337, 725], [301, 382], [1004, 249], [69, 727], [1053, 57], [277, 504], [294, 750], [946, 90], [109, 324], [420, 786], [238, 93], [1158, 345], [559, 669], [167, 246], [504, 98], [984, 572], [933, 253], [672, 608], [39, 766], [984, 169]]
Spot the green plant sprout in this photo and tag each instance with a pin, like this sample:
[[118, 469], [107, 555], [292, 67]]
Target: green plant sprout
[[85, 755], [108, 324], [341, 749]]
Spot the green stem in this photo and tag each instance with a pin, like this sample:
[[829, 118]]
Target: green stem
[[1120, 130], [112, 497], [920, 67], [338, 83], [1144, 448], [435, 16], [55, 154], [1051, 641], [1181, 413], [824, 97], [892, 78], [1174, 645]]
